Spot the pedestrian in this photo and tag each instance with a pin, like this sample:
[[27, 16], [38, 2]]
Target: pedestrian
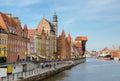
[[42, 66], [54, 66], [50, 66]]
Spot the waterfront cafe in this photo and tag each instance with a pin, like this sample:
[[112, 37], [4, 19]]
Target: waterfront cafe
[[37, 58]]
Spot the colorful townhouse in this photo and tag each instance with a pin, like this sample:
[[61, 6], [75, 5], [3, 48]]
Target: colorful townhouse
[[43, 39], [3, 45], [17, 38]]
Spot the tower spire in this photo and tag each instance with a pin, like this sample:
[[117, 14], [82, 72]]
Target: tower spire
[[55, 17]]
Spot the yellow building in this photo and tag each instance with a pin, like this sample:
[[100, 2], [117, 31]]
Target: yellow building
[[3, 45], [41, 44]]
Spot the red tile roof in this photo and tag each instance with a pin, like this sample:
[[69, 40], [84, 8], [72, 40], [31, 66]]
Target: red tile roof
[[10, 22]]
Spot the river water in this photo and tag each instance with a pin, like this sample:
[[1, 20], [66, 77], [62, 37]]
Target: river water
[[92, 70]]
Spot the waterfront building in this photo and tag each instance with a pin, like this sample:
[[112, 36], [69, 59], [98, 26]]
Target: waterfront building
[[41, 44], [77, 49], [69, 46], [3, 45], [64, 46], [31, 33], [17, 38], [50, 29], [115, 54], [80, 43], [43, 40]]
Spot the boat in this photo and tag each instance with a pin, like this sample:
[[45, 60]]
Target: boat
[[107, 57]]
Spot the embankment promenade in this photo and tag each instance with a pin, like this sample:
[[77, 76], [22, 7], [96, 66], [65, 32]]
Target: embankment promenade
[[43, 71]]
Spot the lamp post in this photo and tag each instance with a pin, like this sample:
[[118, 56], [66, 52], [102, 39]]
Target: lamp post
[[52, 57], [58, 56]]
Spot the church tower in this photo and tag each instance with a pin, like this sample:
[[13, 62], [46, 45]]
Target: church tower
[[55, 21], [55, 27]]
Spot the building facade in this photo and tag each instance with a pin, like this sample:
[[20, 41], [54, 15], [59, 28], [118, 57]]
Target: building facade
[[50, 29], [31, 33], [64, 46], [80, 43], [43, 40], [17, 38], [3, 45]]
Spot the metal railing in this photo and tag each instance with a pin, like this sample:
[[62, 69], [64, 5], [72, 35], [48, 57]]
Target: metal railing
[[22, 75]]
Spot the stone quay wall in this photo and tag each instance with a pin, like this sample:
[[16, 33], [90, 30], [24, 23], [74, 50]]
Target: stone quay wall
[[42, 73]]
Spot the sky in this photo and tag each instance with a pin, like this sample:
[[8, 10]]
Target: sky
[[99, 20]]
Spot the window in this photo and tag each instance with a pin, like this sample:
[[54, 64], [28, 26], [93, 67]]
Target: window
[[0, 50], [0, 40], [10, 31], [1, 30], [8, 41], [47, 42], [4, 50], [47, 48]]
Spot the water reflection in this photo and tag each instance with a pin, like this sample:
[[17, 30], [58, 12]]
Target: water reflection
[[92, 70], [59, 76]]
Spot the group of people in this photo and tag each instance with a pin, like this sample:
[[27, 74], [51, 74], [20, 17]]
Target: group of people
[[49, 66]]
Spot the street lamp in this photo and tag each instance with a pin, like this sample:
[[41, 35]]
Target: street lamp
[[52, 57], [25, 52], [58, 56]]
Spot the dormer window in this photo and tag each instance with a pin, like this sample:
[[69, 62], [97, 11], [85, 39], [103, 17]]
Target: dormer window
[[23, 34], [12, 30]]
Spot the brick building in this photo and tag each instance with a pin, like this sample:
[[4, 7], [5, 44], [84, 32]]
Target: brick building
[[64, 46], [50, 29], [17, 37], [50, 38], [3, 45], [41, 44], [31, 33]]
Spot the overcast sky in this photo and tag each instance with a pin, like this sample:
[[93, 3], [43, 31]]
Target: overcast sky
[[99, 20]]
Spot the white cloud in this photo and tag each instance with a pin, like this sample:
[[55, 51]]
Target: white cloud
[[19, 3], [88, 10]]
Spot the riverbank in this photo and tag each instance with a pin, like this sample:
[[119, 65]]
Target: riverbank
[[50, 72]]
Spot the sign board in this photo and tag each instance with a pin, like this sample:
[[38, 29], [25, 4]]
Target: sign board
[[3, 72], [9, 69]]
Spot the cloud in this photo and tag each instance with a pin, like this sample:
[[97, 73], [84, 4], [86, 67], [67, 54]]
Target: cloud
[[19, 3], [89, 10]]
